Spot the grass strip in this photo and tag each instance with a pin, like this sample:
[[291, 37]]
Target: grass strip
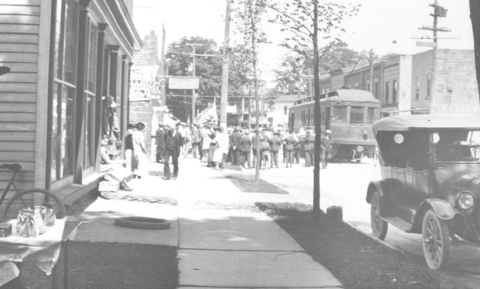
[[355, 259], [247, 184]]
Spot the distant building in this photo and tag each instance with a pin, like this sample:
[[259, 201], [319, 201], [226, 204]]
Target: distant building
[[403, 82], [278, 110]]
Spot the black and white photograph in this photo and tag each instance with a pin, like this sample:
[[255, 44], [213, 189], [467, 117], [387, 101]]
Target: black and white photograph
[[233, 144]]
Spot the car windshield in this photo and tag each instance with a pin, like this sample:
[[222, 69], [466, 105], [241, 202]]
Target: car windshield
[[456, 146]]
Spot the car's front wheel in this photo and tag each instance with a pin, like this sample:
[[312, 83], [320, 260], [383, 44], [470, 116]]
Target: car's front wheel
[[435, 241], [379, 226]]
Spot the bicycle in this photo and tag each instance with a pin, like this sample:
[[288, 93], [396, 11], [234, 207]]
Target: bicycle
[[38, 196]]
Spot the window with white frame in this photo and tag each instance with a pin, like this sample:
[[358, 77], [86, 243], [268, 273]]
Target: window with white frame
[[64, 89]]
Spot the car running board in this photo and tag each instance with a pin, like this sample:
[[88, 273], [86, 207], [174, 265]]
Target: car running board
[[399, 223]]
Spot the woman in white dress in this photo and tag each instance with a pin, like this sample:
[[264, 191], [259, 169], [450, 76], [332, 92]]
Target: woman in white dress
[[222, 140], [140, 151], [113, 170]]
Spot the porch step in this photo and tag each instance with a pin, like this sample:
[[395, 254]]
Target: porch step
[[108, 186]]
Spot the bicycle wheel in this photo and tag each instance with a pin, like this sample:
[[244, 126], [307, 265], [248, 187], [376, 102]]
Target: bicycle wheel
[[27, 199]]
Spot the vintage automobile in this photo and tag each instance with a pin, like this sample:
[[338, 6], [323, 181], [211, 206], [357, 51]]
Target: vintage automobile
[[430, 168]]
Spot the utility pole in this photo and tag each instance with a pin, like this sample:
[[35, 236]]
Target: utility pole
[[438, 11], [371, 60], [316, 113], [224, 97], [192, 120]]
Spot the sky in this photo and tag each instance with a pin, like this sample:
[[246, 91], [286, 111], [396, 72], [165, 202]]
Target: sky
[[378, 24]]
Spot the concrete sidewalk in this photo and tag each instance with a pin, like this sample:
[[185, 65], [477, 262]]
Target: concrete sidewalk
[[223, 240]]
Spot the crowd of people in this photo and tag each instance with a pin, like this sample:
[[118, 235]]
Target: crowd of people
[[238, 146], [214, 146]]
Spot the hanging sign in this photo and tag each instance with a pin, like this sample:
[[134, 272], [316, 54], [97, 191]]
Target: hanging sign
[[183, 82]]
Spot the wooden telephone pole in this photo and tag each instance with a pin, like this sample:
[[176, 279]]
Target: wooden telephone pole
[[225, 63], [192, 120], [438, 11]]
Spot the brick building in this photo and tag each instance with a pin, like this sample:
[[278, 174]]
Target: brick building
[[145, 88], [403, 82]]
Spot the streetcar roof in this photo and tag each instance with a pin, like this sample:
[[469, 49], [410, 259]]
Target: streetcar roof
[[347, 95], [427, 122]]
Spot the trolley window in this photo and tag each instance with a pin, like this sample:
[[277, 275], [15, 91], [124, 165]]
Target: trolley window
[[357, 114], [322, 113], [339, 114], [372, 113]]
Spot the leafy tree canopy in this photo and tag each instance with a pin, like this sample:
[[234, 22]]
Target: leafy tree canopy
[[290, 77], [240, 70], [208, 68]]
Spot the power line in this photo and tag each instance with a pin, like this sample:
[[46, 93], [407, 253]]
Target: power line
[[401, 17]]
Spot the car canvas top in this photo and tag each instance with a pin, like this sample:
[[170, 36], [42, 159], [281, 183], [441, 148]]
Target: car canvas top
[[427, 122]]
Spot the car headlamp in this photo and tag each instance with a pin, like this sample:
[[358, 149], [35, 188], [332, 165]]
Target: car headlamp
[[465, 200]]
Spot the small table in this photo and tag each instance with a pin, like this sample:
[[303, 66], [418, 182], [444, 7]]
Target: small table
[[71, 226], [21, 246]]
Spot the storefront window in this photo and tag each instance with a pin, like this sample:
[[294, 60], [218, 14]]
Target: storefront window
[[92, 58], [64, 89], [71, 20], [66, 145], [356, 114], [89, 133], [339, 114], [55, 136]]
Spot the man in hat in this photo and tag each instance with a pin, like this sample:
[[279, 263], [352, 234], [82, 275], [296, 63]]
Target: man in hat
[[173, 144], [298, 146], [290, 142], [325, 148], [234, 142], [308, 145], [254, 148], [160, 143], [245, 147], [275, 144], [196, 141]]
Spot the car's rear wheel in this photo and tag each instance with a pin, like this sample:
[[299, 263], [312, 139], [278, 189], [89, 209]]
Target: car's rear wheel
[[379, 226], [435, 241]]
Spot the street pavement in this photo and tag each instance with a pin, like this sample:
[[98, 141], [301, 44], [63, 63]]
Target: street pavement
[[345, 184], [223, 240]]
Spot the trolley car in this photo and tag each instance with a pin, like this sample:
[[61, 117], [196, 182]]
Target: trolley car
[[348, 113]]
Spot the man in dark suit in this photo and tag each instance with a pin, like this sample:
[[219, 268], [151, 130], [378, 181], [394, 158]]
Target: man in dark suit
[[245, 146], [160, 143], [173, 144], [308, 146], [275, 144], [234, 142]]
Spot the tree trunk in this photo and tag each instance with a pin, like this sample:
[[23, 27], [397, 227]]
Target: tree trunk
[[257, 119], [475, 17], [318, 130]]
